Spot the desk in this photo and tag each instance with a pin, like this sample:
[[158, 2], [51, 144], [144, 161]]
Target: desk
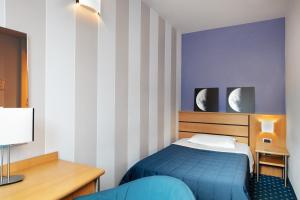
[[48, 178]]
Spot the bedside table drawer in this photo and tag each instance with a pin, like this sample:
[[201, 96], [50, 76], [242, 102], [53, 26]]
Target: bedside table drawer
[[276, 161]]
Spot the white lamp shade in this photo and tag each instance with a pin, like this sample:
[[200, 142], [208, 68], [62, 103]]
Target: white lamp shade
[[267, 126], [16, 125], [92, 4]]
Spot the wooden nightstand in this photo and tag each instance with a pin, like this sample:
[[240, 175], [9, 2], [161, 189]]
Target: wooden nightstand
[[48, 178], [270, 155]]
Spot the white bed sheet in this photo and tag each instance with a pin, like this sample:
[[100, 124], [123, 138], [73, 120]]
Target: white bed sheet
[[239, 148]]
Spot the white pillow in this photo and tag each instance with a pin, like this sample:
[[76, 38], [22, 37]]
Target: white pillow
[[214, 140]]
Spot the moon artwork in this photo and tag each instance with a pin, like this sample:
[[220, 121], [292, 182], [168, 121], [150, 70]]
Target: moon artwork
[[206, 100], [241, 100], [234, 100], [201, 99]]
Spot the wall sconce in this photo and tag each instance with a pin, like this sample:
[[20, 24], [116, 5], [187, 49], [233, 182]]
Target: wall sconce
[[94, 5], [267, 126]]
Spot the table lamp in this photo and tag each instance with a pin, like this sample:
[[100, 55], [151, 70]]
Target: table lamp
[[16, 127]]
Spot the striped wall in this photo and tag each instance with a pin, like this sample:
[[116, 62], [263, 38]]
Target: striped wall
[[137, 86], [144, 81], [167, 85], [134, 77], [153, 82], [106, 100], [160, 82], [105, 89], [174, 96], [86, 87], [2, 13]]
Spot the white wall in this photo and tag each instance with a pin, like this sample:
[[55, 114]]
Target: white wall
[[292, 91], [134, 77], [29, 17], [2, 13], [60, 78], [121, 90], [71, 81], [61, 68], [106, 92], [86, 86]]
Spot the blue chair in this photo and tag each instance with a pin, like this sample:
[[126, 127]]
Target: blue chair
[[149, 188]]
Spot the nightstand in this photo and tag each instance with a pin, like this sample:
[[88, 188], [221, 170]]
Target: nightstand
[[271, 155]]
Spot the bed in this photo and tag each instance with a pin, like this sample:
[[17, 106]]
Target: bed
[[211, 173]]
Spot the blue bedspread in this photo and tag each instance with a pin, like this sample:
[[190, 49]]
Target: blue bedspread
[[210, 175], [149, 188]]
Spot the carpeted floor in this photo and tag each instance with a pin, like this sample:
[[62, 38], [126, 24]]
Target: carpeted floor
[[270, 188]]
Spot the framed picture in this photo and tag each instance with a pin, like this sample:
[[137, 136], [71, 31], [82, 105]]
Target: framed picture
[[241, 99], [206, 100]]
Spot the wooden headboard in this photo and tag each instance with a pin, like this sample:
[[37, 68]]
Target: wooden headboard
[[237, 125]]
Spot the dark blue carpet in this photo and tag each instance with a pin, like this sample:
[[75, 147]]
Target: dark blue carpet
[[270, 188]]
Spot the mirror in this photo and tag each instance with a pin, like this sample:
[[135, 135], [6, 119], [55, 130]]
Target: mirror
[[13, 69]]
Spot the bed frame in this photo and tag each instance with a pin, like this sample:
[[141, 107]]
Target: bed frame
[[244, 127]]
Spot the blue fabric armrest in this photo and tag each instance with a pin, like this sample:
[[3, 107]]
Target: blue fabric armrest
[[150, 188]]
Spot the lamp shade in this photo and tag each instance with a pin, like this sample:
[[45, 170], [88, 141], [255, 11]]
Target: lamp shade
[[16, 125], [91, 4], [267, 126]]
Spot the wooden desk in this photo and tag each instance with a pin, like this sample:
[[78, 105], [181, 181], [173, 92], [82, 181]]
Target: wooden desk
[[48, 178], [272, 155]]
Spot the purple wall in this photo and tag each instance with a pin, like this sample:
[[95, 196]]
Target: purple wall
[[245, 55]]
